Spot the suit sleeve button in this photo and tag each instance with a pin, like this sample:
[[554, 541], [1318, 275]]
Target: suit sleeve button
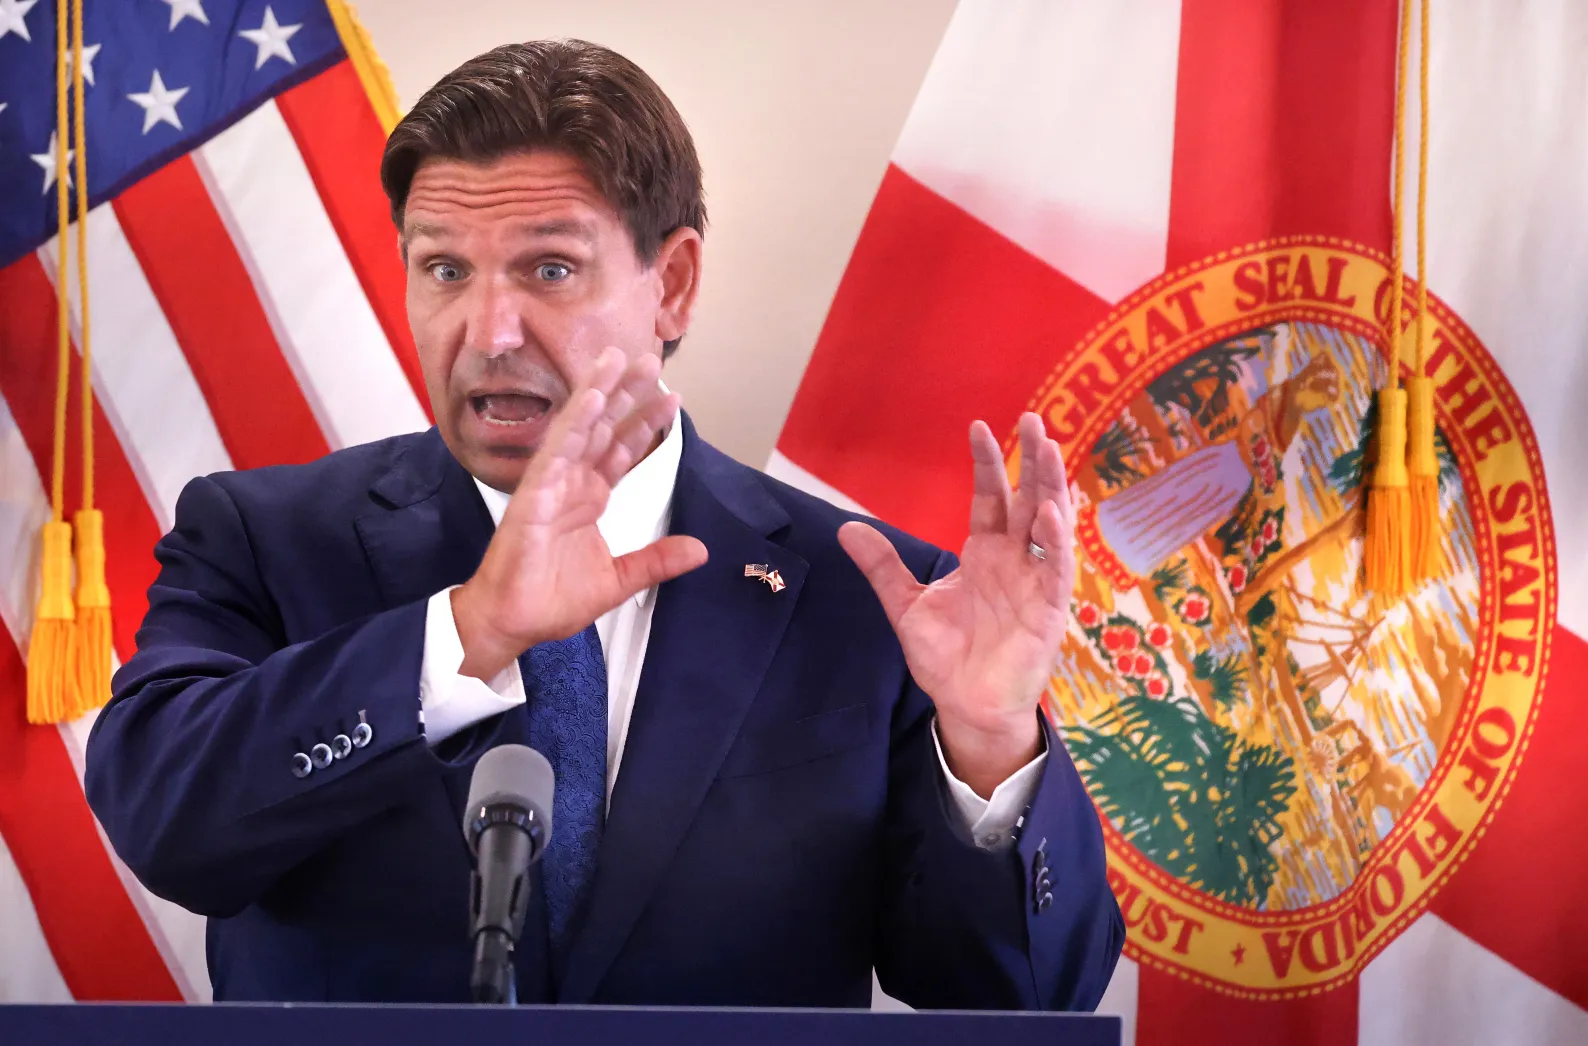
[[301, 766], [1044, 903], [363, 734], [341, 745], [321, 754]]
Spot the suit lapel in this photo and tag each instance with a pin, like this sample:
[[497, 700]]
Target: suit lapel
[[426, 530], [713, 635]]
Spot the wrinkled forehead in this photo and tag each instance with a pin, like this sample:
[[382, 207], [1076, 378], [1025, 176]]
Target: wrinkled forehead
[[529, 194]]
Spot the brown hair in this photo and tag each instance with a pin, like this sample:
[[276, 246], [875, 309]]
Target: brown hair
[[572, 96]]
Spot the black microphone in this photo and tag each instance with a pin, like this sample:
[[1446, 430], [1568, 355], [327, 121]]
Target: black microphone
[[507, 824]]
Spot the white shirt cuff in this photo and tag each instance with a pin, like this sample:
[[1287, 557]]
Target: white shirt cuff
[[449, 702], [991, 821]]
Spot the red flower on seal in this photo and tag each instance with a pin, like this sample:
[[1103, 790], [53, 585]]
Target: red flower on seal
[[1237, 578], [1158, 635], [1089, 616], [1194, 608], [1143, 666], [1124, 663], [1258, 546], [1157, 686], [1270, 531]]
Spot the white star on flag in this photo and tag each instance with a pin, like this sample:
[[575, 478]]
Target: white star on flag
[[13, 15], [159, 103], [181, 9], [89, 54], [271, 38], [46, 160]]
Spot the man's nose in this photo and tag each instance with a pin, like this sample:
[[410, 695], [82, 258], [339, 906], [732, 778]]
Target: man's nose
[[496, 322]]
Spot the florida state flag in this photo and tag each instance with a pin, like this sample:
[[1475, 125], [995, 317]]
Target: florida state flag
[[1334, 815]]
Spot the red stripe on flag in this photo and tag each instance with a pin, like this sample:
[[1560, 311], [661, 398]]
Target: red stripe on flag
[[341, 141], [259, 409], [1171, 1011], [1284, 117], [1520, 892], [938, 321], [27, 381], [99, 942]]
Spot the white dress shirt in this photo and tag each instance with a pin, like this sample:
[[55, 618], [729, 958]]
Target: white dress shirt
[[638, 513]]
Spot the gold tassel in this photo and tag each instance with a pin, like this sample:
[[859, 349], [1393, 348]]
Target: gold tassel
[[1387, 540], [1388, 501], [91, 687], [50, 648], [1422, 469]]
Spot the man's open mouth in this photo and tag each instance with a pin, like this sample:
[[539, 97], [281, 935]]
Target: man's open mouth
[[509, 408]]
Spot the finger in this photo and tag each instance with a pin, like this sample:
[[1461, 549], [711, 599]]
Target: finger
[[1053, 485], [1058, 563], [1023, 509], [1061, 493], [637, 434], [637, 384], [989, 502], [570, 429], [540, 485], [1047, 533], [608, 370], [879, 561], [657, 562]]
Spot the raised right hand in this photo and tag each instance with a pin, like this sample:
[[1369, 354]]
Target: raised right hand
[[548, 573]]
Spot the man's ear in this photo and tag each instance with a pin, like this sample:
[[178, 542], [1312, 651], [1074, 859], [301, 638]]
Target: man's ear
[[678, 267]]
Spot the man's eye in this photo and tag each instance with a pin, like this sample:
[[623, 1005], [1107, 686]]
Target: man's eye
[[553, 272], [446, 272]]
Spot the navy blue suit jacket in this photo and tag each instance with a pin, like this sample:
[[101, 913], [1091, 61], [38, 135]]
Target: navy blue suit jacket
[[779, 825]]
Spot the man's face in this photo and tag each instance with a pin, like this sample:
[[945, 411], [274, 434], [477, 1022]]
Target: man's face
[[519, 274]]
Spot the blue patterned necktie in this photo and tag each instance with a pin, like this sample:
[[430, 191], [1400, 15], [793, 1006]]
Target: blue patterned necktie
[[566, 683]]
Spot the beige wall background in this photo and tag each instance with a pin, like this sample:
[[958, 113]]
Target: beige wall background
[[795, 108]]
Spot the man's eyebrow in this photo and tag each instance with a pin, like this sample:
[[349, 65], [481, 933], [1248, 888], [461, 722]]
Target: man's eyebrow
[[417, 229], [563, 227]]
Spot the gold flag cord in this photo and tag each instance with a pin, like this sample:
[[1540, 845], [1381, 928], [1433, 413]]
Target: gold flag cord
[[69, 649], [1422, 462], [90, 686], [51, 646]]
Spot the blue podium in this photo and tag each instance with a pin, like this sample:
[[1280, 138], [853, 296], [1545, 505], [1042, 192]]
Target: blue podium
[[293, 1025]]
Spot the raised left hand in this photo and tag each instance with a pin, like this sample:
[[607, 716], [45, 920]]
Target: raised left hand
[[982, 640]]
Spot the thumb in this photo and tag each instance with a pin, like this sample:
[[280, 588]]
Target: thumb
[[879, 561], [659, 561]]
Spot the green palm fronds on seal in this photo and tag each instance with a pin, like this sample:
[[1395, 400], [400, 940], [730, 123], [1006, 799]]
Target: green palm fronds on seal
[[1188, 793]]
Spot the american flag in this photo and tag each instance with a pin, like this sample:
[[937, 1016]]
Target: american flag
[[247, 309]]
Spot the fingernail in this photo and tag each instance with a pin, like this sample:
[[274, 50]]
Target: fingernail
[[663, 386]]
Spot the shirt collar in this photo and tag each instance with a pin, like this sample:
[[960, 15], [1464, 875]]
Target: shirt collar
[[640, 508]]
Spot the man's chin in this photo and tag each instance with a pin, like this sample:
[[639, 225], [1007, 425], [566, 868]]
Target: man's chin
[[499, 466]]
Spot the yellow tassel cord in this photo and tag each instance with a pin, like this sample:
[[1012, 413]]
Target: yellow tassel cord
[[1387, 549], [91, 676], [51, 646], [372, 72], [1422, 462]]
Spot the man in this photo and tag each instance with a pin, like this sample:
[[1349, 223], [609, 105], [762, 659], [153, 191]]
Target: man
[[790, 746]]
